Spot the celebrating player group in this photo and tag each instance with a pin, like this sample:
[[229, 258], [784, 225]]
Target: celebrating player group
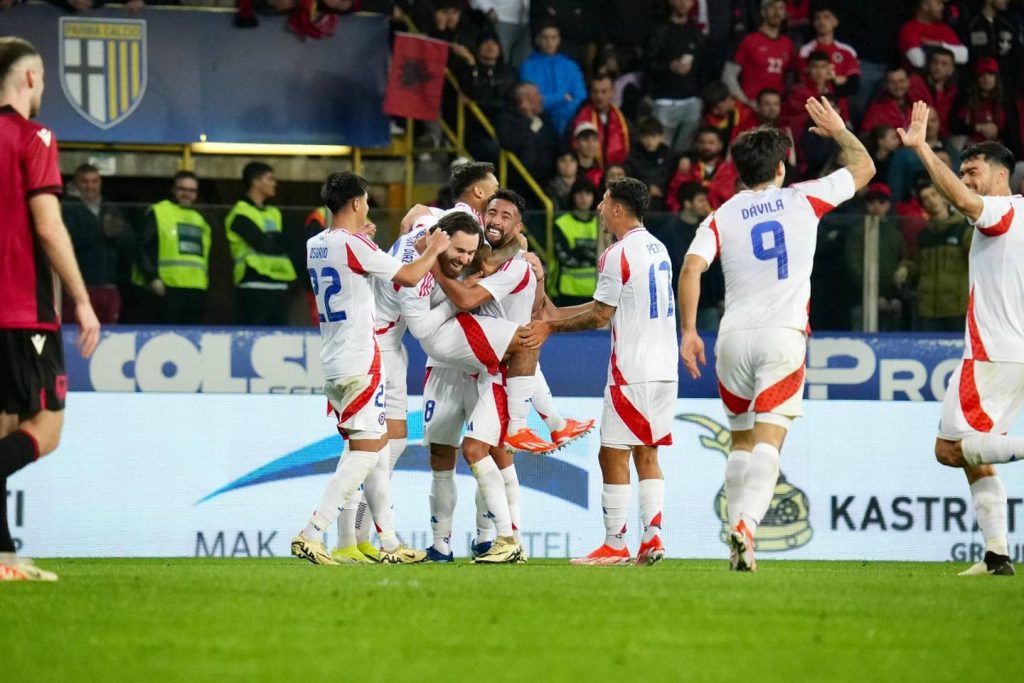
[[462, 282]]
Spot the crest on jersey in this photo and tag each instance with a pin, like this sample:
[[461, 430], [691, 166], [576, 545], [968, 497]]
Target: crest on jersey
[[103, 67]]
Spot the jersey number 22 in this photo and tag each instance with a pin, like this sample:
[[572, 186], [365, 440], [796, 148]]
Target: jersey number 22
[[333, 281]]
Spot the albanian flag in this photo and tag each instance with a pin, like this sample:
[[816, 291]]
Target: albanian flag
[[416, 77]]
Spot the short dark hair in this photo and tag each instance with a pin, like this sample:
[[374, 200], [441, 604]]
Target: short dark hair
[[12, 49], [713, 93], [989, 151], [649, 126], [757, 154], [547, 23], [342, 187], [458, 221], [689, 191], [512, 197], [941, 51], [183, 174], [632, 194], [85, 168], [923, 182], [466, 175], [819, 56], [253, 170], [767, 91], [824, 7], [583, 184]]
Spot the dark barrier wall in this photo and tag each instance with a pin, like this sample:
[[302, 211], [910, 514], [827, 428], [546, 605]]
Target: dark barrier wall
[[163, 76], [255, 360]]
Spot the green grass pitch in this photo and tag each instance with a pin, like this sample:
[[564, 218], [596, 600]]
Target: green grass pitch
[[284, 620]]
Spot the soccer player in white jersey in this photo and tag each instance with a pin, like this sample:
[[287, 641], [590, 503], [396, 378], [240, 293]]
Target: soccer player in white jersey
[[340, 263], [765, 237], [634, 292], [986, 391]]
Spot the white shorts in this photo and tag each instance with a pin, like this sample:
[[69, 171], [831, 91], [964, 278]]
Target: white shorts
[[451, 398], [396, 365], [358, 403], [982, 396], [471, 343], [638, 414], [761, 373]]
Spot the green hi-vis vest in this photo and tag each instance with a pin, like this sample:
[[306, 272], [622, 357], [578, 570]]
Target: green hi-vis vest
[[577, 281], [183, 255], [269, 220]]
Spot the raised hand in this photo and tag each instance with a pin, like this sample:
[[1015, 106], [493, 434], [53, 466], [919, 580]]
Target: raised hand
[[915, 137], [827, 121], [438, 241]]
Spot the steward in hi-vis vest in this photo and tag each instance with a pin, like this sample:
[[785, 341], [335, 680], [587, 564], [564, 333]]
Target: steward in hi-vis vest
[[576, 248]]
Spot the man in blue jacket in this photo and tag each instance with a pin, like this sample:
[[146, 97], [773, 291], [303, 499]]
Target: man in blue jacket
[[559, 78]]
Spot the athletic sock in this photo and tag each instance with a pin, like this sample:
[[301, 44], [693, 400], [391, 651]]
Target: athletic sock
[[735, 472], [544, 403], [17, 450], [759, 484], [520, 390], [989, 496], [484, 521], [992, 449], [347, 523], [6, 542], [378, 498], [614, 504], [443, 495], [363, 520], [492, 486], [343, 485], [652, 500], [397, 447], [512, 496]]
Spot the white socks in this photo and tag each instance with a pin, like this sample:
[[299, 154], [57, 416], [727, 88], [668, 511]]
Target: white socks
[[348, 531], [735, 473], [484, 523], [652, 500], [759, 484], [512, 496], [343, 484], [544, 403], [492, 486], [614, 504], [992, 449], [397, 447], [520, 390], [443, 495], [377, 490], [989, 496]]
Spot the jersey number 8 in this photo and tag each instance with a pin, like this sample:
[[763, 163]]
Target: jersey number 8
[[334, 286], [777, 250]]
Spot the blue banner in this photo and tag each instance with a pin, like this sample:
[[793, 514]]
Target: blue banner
[[169, 76], [886, 367]]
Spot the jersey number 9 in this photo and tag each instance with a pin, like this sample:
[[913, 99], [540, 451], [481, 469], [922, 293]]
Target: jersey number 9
[[777, 250], [333, 281]]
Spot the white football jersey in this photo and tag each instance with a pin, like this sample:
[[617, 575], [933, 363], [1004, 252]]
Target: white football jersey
[[995, 307], [424, 307], [430, 220], [635, 276], [766, 242], [340, 263], [390, 324], [513, 287]]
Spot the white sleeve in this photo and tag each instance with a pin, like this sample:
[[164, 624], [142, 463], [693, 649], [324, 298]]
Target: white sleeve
[[609, 276], [506, 279], [706, 241], [373, 260], [827, 193], [915, 56], [996, 216]]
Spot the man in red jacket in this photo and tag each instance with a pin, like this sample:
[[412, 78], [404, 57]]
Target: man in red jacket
[[612, 129], [892, 106]]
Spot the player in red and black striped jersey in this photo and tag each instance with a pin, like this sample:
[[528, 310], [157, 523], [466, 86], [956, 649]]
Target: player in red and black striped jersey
[[34, 245]]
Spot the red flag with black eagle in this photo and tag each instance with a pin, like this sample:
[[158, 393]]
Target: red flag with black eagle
[[416, 77]]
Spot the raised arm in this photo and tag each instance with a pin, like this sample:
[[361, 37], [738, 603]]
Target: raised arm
[[946, 182], [411, 273], [829, 124]]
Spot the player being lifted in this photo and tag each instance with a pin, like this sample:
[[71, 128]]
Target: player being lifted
[[986, 391], [634, 292], [765, 237], [340, 263]]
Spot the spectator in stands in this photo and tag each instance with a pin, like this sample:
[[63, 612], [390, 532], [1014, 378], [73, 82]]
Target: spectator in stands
[[722, 112], [628, 87], [588, 152], [558, 77], [174, 254], [872, 26], [674, 59], [652, 161], [892, 106], [528, 132], [878, 203], [102, 240], [559, 188], [926, 31], [576, 247], [701, 166], [511, 22], [940, 266], [676, 235], [486, 78], [936, 86], [628, 26], [612, 129], [763, 58], [446, 20], [982, 116], [990, 33], [581, 26], [882, 143], [906, 168], [259, 247], [845, 65], [768, 112], [817, 81]]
